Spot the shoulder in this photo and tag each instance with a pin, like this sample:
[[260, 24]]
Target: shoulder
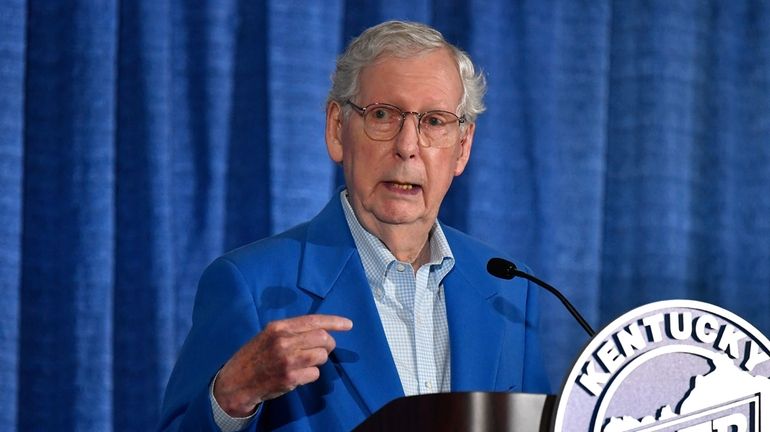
[[286, 243], [457, 238], [327, 228], [267, 260], [471, 258], [281, 258], [467, 248]]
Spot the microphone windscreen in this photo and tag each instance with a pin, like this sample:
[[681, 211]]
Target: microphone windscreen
[[501, 268]]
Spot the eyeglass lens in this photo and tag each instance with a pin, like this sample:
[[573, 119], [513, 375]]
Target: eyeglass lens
[[384, 122]]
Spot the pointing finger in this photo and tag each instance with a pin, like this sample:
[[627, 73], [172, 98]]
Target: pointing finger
[[315, 321]]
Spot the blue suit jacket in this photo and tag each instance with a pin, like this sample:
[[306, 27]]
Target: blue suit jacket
[[315, 268]]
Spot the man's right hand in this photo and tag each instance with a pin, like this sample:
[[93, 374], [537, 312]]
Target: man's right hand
[[286, 354]]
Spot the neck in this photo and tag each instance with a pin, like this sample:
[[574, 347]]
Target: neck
[[408, 243], [408, 247]]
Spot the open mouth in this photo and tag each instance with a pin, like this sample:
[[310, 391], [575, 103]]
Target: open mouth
[[402, 186], [406, 187]]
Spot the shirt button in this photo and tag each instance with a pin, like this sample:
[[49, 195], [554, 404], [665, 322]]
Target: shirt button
[[378, 293], [400, 267], [428, 385]]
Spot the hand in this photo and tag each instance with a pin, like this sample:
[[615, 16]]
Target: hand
[[286, 354]]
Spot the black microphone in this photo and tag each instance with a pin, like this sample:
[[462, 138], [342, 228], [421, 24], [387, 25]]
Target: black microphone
[[505, 269]]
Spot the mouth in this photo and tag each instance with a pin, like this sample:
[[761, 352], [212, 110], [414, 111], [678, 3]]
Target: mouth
[[403, 186]]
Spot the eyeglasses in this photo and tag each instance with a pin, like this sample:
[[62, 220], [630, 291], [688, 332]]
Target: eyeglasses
[[382, 122]]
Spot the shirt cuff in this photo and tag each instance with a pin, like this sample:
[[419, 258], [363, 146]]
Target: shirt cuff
[[222, 419]]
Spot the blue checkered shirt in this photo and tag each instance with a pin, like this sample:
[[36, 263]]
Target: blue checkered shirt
[[411, 306]]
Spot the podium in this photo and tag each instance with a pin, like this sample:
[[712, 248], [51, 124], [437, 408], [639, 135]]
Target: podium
[[473, 411], [669, 366]]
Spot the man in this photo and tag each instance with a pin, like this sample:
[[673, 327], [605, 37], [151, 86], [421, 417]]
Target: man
[[320, 326]]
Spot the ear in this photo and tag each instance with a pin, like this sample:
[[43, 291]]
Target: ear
[[334, 131], [466, 142]]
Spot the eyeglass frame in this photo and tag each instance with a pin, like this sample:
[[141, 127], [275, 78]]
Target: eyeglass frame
[[362, 112]]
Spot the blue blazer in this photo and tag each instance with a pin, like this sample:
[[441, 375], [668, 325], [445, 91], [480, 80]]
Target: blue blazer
[[315, 268]]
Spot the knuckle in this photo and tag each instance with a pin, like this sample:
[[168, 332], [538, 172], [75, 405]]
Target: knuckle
[[322, 336], [283, 363], [313, 374], [321, 356], [277, 363], [293, 378], [282, 344], [284, 379], [272, 327], [305, 376], [270, 334], [315, 357], [331, 344]]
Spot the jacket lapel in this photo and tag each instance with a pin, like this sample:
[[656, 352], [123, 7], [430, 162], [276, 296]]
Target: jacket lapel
[[331, 269], [476, 331]]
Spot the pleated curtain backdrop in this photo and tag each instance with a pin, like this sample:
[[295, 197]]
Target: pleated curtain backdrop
[[625, 156]]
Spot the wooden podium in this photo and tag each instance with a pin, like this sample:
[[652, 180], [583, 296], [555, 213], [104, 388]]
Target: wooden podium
[[468, 412]]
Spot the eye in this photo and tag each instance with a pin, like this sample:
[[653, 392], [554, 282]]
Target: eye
[[382, 114], [435, 119]]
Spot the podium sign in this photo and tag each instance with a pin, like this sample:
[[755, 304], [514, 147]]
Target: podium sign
[[675, 365]]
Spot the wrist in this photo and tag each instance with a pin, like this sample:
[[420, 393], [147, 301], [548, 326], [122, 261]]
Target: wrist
[[230, 402]]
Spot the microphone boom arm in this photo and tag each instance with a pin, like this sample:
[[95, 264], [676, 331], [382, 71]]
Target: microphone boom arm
[[502, 268], [561, 297]]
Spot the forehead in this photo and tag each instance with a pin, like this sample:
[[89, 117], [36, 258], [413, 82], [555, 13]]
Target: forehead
[[425, 80]]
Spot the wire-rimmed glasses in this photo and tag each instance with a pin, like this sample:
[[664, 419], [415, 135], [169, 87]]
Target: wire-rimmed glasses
[[382, 122]]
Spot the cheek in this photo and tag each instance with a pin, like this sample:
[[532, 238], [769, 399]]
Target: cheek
[[442, 172], [361, 166]]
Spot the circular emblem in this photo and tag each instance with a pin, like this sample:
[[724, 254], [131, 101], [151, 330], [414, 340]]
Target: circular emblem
[[676, 365]]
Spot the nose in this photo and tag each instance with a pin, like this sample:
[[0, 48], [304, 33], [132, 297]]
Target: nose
[[408, 139]]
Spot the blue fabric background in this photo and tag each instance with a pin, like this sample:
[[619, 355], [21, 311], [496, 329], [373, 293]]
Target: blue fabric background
[[625, 156]]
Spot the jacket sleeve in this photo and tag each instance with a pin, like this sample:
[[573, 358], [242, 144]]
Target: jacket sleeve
[[224, 318]]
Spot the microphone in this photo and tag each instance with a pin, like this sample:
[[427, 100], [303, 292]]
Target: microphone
[[505, 269]]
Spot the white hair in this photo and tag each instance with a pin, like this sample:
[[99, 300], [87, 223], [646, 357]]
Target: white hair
[[404, 39]]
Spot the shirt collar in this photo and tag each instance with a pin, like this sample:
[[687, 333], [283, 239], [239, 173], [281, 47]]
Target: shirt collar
[[377, 258]]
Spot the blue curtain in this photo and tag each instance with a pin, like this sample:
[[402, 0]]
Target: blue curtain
[[625, 156]]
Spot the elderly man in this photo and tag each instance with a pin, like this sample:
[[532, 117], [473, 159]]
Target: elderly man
[[318, 327]]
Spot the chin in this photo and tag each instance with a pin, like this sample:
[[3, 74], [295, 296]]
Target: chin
[[395, 219], [400, 216]]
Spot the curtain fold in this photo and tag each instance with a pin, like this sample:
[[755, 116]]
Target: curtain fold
[[688, 157], [65, 354], [298, 38], [538, 166], [144, 304], [13, 26], [624, 157]]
